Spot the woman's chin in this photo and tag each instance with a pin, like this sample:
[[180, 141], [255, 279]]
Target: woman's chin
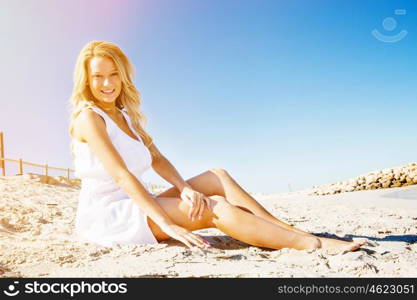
[[108, 99]]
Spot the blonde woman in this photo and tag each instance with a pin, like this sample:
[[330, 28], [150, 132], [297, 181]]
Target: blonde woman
[[111, 152]]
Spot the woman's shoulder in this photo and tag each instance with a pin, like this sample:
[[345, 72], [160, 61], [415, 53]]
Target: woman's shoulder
[[87, 116]]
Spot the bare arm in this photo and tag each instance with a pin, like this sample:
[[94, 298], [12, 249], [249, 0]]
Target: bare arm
[[93, 129], [163, 167], [197, 201]]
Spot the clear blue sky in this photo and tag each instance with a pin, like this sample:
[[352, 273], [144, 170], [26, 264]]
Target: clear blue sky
[[278, 93]]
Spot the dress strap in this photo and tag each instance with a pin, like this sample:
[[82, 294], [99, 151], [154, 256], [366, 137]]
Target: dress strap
[[103, 114], [99, 111], [109, 122], [129, 123]]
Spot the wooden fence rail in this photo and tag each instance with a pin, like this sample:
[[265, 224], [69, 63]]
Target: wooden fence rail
[[21, 162], [3, 170]]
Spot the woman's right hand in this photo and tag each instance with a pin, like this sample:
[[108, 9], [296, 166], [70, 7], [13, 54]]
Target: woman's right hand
[[197, 202], [183, 235]]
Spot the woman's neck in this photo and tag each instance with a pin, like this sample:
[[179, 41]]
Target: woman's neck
[[108, 107]]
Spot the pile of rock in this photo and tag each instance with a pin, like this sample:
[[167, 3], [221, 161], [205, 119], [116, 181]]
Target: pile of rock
[[387, 178]]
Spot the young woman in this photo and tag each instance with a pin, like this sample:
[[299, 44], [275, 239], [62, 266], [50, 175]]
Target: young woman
[[111, 152]]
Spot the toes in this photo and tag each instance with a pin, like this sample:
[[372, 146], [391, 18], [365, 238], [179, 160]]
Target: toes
[[360, 242], [353, 247]]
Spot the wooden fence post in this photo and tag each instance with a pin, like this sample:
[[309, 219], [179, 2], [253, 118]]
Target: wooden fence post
[[21, 163], [2, 162], [20, 166]]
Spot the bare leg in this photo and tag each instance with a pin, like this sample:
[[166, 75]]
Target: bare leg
[[219, 182], [236, 195], [236, 223]]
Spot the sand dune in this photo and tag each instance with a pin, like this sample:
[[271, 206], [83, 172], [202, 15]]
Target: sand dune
[[36, 238]]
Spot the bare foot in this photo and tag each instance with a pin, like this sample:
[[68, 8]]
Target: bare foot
[[334, 246]]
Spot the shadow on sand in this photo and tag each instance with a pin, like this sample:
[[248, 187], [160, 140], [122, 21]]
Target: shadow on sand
[[406, 238]]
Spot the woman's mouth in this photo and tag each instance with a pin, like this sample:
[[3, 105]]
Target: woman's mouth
[[108, 92]]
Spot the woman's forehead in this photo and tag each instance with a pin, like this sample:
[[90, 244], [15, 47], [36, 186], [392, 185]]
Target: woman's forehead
[[101, 64]]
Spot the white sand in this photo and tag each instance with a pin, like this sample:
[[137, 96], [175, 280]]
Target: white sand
[[36, 226]]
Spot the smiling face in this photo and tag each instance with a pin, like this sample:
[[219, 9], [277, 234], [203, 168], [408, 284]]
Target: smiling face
[[104, 79]]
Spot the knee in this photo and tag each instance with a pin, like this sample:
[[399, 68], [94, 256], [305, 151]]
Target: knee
[[219, 172], [316, 243], [219, 202], [218, 206], [219, 199]]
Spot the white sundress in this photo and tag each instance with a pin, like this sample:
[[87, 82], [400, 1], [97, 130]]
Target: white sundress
[[106, 215]]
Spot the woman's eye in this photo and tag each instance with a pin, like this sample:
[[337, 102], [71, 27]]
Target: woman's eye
[[114, 74]]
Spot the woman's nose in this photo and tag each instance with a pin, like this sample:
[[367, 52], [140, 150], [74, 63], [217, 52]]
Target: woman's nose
[[106, 81]]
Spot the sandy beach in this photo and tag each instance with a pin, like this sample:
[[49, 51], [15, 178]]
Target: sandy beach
[[36, 238]]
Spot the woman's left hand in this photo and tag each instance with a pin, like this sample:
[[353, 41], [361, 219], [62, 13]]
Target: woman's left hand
[[197, 202]]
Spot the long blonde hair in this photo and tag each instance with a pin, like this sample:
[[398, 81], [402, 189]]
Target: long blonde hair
[[129, 98]]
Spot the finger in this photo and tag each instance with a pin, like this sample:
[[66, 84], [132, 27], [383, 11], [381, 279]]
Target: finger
[[208, 203], [201, 209], [188, 239], [190, 200], [190, 210], [195, 208], [196, 240], [185, 241]]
